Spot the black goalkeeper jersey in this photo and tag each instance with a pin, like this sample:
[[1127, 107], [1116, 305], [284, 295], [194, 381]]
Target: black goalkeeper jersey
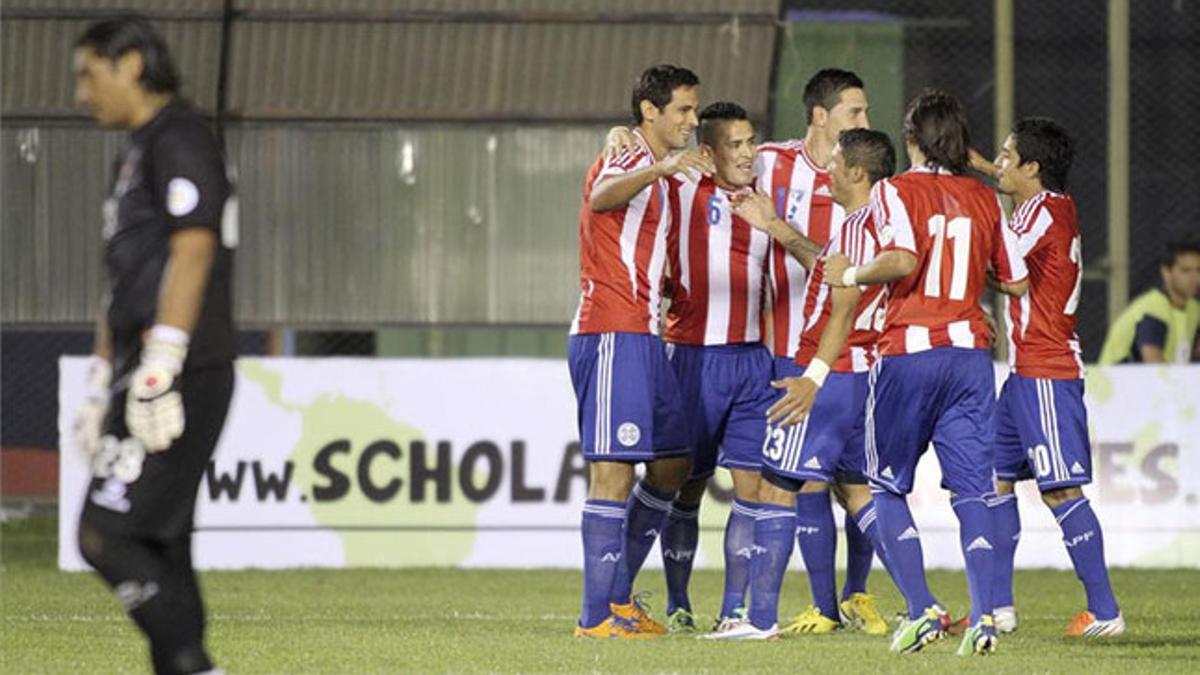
[[170, 176]]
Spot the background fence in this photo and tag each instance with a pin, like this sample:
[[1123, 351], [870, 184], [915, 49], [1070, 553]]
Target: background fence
[[409, 171]]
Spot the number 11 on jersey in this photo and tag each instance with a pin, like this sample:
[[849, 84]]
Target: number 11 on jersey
[[958, 231]]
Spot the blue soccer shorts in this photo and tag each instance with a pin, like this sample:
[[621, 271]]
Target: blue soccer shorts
[[629, 407], [944, 395], [1040, 431], [828, 444], [726, 391]]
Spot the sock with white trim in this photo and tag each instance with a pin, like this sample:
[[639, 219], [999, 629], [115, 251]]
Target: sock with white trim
[[1085, 544]]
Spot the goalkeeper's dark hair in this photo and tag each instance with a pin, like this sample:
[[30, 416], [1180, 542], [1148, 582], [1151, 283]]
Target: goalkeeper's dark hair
[[715, 116], [869, 150], [936, 122], [825, 89], [657, 84], [1177, 249], [1042, 140], [113, 38]]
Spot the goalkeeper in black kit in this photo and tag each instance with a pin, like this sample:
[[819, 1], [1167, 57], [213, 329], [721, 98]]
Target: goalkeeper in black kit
[[161, 377]]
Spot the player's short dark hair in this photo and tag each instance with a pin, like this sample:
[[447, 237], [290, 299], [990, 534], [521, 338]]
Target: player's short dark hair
[[714, 116], [936, 122], [113, 38], [1177, 249], [1042, 140], [869, 150], [657, 84], [825, 89]]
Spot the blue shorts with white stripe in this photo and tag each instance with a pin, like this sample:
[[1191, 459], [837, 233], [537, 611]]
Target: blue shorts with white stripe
[[945, 396], [1040, 431], [629, 405], [828, 444]]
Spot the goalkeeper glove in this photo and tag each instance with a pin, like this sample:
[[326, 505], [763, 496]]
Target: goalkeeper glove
[[154, 406], [89, 419]]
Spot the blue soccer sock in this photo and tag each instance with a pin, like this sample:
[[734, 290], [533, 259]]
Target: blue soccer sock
[[644, 517], [977, 534], [902, 542], [1085, 544], [739, 549], [773, 532], [860, 552], [817, 536], [603, 522], [867, 520], [679, 538], [1007, 520]]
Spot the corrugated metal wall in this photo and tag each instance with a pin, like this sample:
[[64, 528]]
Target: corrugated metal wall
[[390, 168]]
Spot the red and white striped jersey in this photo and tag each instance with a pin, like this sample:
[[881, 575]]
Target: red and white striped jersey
[[717, 268], [803, 200], [856, 239], [622, 252], [956, 228], [1042, 342]]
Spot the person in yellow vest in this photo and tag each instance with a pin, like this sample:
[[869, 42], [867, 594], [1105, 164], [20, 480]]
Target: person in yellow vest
[[1160, 325]]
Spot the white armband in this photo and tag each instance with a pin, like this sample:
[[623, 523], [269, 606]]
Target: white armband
[[850, 277], [817, 370]]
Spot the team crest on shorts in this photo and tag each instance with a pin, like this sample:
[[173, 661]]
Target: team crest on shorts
[[629, 434]]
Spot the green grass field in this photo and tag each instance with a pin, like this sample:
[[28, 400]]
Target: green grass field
[[432, 620]]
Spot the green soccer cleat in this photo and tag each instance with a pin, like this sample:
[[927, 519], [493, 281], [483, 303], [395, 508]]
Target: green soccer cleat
[[914, 634], [980, 639], [681, 621]]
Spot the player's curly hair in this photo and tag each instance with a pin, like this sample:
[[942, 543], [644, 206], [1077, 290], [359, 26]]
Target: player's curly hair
[[936, 122], [1042, 140], [657, 84], [113, 38], [825, 89], [870, 150]]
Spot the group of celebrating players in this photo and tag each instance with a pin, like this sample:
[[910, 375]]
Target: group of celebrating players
[[823, 326]]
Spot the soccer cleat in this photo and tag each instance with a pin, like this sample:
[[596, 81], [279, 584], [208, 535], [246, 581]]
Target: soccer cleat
[[635, 613], [812, 620], [728, 623], [859, 610], [951, 627], [914, 634], [1086, 625], [980, 639], [1006, 619], [742, 629], [612, 627], [681, 621]]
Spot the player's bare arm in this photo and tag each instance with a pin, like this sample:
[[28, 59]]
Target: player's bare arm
[[801, 392], [1015, 289], [154, 407], [885, 268], [982, 164], [617, 191], [758, 210], [185, 278]]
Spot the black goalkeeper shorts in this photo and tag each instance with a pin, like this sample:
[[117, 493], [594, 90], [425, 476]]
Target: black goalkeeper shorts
[[153, 495]]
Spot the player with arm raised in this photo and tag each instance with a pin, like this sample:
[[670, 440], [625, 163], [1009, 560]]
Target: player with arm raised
[[717, 278], [940, 231], [629, 407], [1041, 429], [815, 431], [162, 374]]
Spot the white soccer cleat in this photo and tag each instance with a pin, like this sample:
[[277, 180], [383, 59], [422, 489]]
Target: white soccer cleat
[[1006, 619], [742, 630], [1086, 625]]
